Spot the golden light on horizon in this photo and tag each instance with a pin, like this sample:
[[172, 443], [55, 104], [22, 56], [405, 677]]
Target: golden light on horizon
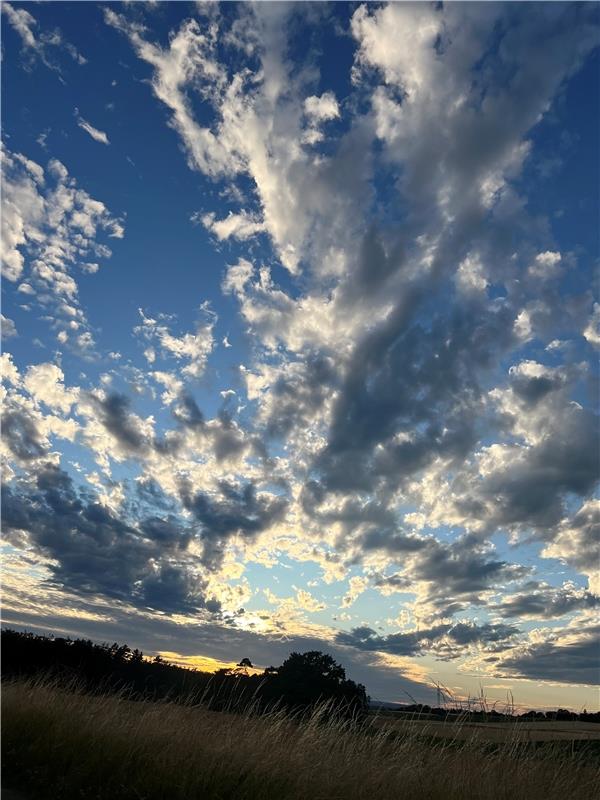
[[202, 663]]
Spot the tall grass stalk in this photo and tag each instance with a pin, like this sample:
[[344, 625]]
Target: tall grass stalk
[[63, 744]]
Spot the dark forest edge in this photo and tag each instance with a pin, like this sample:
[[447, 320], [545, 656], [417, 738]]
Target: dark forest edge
[[302, 682]]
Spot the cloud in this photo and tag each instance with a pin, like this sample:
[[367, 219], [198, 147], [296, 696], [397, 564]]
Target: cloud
[[22, 435], [447, 640], [546, 265], [97, 136], [192, 347], [240, 226], [402, 405], [45, 383], [591, 332], [49, 227], [9, 329], [322, 108], [231, 511], [566, 656], [545, 602], [95, 551], [189, 57], [577, 543], [127, 429], [38, 46], [298, 195]]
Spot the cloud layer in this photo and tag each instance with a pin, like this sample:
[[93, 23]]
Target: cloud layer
[[408, 418]]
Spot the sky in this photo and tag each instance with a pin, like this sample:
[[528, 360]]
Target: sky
[[300, 337]]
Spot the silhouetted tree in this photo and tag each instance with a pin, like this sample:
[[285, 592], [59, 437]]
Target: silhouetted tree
[[306, 679], [243, 667]]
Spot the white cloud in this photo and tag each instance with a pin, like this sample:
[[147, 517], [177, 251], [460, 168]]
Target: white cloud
[[240, 226], [37, 44], [322, 108], [578, 544], [192, 347], [546, 265], [172, 384], [591, 332], [188, 58], [97, 135], [49, 225], [45, 383], [356, 586], [9, 329], [470, 276]]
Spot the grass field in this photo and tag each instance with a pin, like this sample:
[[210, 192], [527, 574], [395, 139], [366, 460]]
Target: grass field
[[62, 744], [501, 732]]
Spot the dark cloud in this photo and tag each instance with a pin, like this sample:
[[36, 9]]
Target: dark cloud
[[458, 574], [392, 583], [392, 543], [462, 567], [150, 495], [95, 551], [186, 411], [411, 394], [21, 434], [299, 392], [115, 415], [446, 640], [532, 389], [228, 439], [378, 260], [165, 532], [532, 487], [546, 602], [573, 657], [234, 510]]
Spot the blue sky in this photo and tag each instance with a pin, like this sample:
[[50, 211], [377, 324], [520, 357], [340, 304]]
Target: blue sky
[[300, 335]]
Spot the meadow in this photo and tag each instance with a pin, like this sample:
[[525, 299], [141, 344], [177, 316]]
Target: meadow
[[62, 743]]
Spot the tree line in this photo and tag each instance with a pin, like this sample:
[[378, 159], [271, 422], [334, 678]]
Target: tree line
[[303, 681]]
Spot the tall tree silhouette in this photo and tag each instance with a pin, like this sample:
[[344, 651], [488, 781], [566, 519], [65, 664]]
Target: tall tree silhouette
[[305, 679]]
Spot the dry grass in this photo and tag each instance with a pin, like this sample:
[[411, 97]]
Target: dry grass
[[62, 744]]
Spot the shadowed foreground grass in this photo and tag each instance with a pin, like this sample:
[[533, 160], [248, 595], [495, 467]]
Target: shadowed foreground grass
[[64, 744]]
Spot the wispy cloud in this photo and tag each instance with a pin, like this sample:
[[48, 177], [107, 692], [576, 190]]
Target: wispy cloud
[[37, 44], [97, 135]]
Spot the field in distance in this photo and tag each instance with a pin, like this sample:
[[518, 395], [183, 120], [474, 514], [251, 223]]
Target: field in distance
[[520, 731]]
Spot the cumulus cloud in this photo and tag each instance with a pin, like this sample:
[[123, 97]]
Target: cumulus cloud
[[591, 332], [542, 601], [94, 551], [568, 655], [240, 226], [407, 396], [191, 347], [578, 544], [9, 329], [445, 640], [49, 227]]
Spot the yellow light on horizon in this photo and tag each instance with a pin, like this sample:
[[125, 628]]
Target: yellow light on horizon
[[202, 663]]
